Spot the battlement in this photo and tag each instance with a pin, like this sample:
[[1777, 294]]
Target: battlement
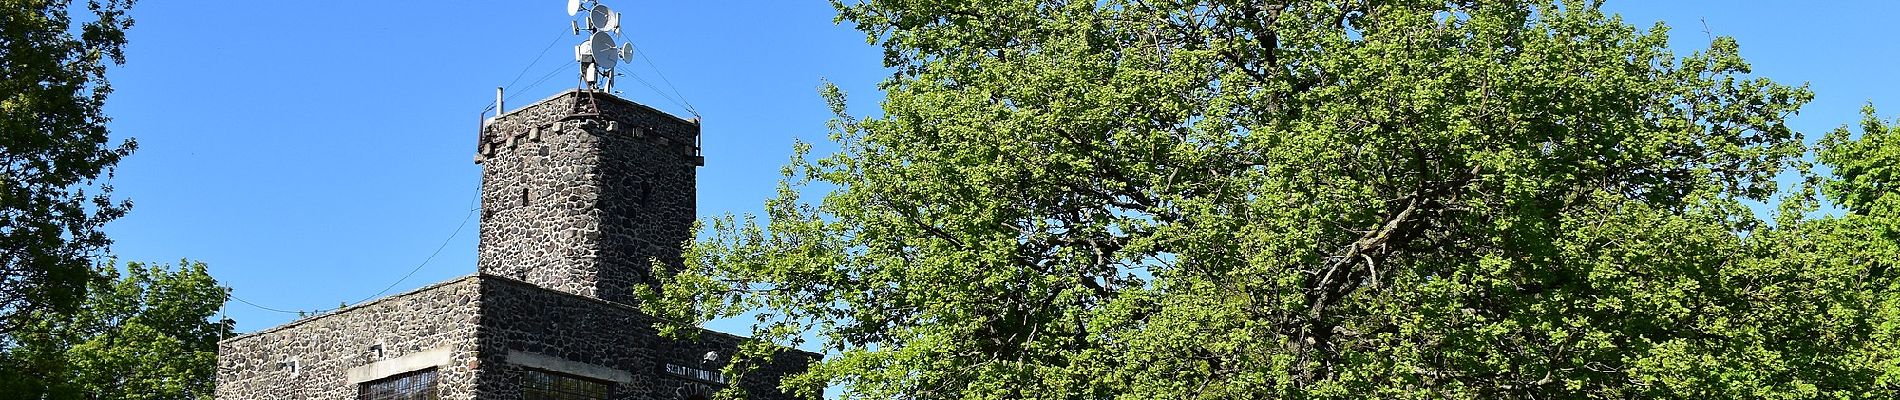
[[597, 113]]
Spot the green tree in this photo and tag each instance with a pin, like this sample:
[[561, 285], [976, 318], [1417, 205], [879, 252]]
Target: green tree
[[53, 146], [1309, 199], [1866, 168], [146, 333]]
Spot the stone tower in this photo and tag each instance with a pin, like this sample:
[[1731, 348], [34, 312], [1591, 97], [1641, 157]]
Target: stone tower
[[582, 191], [579, 193]]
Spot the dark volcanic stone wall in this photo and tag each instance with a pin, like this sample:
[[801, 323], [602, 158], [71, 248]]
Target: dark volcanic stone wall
[[521, 318], [481, 319], [581, 190], [308, 359]]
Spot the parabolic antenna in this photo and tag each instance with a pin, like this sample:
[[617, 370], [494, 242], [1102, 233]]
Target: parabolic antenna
[[573, 6], [602, 47], [601, 18], [626, 51]]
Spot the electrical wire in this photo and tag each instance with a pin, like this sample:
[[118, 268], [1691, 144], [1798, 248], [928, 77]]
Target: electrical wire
[[260, 307], [662, 94], [438, 251], [472, 209], [656, 71], [537, 60], [537, 82], [405, 277]]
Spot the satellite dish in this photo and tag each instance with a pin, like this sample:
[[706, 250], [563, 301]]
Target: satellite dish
[[573, 6], [601, 46], [626, 51], [601, 17]]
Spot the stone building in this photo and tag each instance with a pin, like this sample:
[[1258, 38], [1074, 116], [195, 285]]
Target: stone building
[[581, 193]]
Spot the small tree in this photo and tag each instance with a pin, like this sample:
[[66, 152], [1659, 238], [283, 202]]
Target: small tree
[[145, 333]]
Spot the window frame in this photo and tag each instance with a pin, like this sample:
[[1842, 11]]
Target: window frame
[[542, 384], [421, 384]]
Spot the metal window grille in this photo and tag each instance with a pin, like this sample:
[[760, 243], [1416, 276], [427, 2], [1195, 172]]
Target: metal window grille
[[543, 385], [417, 385]]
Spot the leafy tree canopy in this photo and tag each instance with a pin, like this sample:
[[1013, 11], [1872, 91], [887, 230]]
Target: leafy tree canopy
[[146, 333], [1313, 199], [53, 144]]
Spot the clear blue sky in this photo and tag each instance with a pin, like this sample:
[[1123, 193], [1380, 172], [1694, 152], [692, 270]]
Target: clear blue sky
[[314, 152]]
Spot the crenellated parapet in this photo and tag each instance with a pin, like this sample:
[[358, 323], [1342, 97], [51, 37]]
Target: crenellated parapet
[[594, 113]]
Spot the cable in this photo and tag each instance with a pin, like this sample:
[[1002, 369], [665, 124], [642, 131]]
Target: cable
[[438, 250], [472, 208], [524, 71], [669, 85], [662, 94], [242, 300], [537, 60], [537, 82], [662, 75], [412, 272]]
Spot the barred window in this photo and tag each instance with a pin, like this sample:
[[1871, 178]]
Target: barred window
[[417, 385], [544, 385]]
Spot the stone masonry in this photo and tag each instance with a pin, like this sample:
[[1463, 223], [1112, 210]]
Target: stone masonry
[[596, 332], [581, 194], [308, 359]]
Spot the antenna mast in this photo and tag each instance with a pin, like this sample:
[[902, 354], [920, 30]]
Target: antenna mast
[[598, 55]]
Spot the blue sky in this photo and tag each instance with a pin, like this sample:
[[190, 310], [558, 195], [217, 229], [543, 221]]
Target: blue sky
[[312, 153]]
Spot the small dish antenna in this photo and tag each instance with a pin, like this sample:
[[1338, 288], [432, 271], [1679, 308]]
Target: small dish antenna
[[601, 46], [598, 54], [603, 18]]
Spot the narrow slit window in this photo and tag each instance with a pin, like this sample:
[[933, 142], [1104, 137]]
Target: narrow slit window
[[646, 192]]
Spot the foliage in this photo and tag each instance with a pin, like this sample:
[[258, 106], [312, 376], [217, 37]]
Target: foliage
[[53, 144], [145, 333], [1868, 167], [1312, 199]]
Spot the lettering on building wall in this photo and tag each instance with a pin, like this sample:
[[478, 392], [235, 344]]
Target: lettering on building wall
[[695, 373]]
